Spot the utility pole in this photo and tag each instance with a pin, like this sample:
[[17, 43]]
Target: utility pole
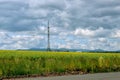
[[48, 35]]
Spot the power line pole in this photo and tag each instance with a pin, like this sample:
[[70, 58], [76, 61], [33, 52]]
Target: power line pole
[[48, 35]]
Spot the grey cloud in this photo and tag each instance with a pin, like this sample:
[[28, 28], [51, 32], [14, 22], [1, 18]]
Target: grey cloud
[[66, 16], [83, 17], [77, 13], [12, 5], [46, 4], [109, 11], [16, 12]]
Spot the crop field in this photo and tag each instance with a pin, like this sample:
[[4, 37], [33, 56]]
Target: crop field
[[17, 63]]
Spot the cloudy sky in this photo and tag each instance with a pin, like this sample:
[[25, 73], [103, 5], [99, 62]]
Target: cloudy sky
[[74, 24]]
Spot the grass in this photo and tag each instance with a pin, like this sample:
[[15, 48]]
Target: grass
[[14, 63]]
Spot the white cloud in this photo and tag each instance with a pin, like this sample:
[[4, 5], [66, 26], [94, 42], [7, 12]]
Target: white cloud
[[100, 32], [102, 39], [64, 46], [84, 32], [117, 34], [20, 40]]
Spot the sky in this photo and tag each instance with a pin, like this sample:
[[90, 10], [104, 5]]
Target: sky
[[74, 24]]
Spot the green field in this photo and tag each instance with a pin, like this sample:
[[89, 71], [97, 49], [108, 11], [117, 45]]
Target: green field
[[16, 63]]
